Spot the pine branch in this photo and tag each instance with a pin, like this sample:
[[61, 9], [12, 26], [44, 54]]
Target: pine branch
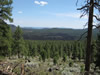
[[86, 6], [85, 24], [96, 17], [96, 26], [96, 4]]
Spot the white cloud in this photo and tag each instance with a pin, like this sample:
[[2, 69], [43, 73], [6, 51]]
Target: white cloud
[[41, 3], [20, 12], [37, 2]]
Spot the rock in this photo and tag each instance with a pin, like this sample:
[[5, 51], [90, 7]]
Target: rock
[[32, 65], [75, 65], [67, 73], [55, 68], [75, 69]]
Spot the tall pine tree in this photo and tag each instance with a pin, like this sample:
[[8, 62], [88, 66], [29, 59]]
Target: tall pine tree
[[5, 40], [5, 31], [19, 44]]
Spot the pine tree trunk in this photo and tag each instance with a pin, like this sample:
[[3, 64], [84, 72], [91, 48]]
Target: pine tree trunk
[[89, 37]]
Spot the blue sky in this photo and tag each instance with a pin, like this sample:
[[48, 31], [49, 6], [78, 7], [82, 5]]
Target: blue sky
[[47, 13]]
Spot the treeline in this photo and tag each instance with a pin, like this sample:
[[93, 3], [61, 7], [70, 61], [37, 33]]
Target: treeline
[[52, 49]]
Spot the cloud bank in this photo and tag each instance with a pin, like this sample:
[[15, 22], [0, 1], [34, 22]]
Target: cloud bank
[[41, 3]]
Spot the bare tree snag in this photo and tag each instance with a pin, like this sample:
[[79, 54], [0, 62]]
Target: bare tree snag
[[89, 36], [88, 9]]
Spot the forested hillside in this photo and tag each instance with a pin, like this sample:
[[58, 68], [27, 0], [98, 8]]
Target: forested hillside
[[53, 33], [49, 51]]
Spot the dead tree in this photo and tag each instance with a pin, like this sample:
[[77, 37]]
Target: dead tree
[[89, 36], [88, 9]]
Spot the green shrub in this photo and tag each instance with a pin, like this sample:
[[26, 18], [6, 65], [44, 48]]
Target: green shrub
[[82, 68], [17, 71], [55, 60], [64, 58], [71, 63], [2, 57]]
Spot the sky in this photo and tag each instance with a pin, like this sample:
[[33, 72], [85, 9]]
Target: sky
[[47, 13]]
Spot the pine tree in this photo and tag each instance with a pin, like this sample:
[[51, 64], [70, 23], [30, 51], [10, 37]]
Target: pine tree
[[43, 55], [93, 52], [35, 50], [5, 31], [47, 48], [64, 57], [61, 51], [80, 55], [5, 40], [98, 52], [55, 60], [30, 44], [5, 10], [69, 47], [48, 53], [75, 50], [19, 43]]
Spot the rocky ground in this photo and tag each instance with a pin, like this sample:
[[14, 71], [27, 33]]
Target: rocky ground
[[33, 66]]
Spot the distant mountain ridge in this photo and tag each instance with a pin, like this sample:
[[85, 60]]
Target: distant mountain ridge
[[53, 33]]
